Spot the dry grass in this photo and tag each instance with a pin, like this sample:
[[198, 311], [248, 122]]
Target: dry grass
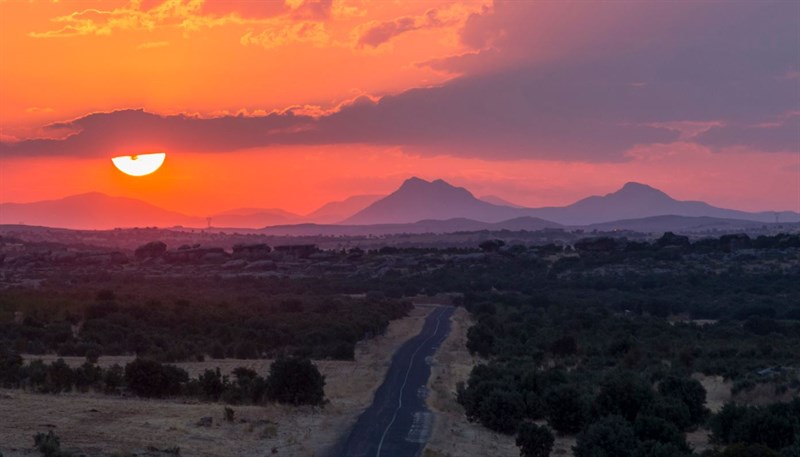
[[97, 424], [718, 390]]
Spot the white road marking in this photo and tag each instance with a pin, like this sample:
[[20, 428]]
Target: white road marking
[[408, 370]]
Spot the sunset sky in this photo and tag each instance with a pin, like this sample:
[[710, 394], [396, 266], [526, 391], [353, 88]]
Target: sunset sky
[[293, 104]]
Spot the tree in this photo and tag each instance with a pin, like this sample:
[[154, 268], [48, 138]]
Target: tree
[[690, 392], [60, 377], [148, 378], [480, 340], [211, 384], [654, 429], [295, 381], [611, 436], [492, 245], [623, 394], [534, 440], [502, 410], [567, 409], [748, 450], [152, 249]]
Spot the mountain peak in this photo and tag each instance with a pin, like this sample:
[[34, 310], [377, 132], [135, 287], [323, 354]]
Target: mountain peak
[[418, 199], [638, 189]]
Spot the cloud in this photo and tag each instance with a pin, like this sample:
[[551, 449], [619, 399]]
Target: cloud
[[39, 110], [705, 74], [285, 21], [280, 32], [780, 136], [376, 33], [152, 45]]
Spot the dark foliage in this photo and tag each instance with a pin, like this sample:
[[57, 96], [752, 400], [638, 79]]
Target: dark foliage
[[295, 381], [534, 440]]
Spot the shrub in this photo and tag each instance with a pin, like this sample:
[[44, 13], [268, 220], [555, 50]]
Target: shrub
[[502, 410], [623, 394], [295, 381], [49, 445], [611, 436], [534, 440], [148, 378], [690, 392], [567, 409]]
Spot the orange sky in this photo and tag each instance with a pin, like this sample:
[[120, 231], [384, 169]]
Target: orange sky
[[64, 60]]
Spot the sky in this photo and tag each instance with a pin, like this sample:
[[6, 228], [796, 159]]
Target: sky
[[293, 104]]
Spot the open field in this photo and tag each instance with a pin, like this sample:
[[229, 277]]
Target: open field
[[99, 425]]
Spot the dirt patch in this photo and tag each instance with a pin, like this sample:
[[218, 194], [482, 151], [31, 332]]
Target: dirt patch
[[98, 425], [718, 390]]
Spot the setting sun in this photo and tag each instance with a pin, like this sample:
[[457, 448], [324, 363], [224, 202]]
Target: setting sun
[[139, 165]]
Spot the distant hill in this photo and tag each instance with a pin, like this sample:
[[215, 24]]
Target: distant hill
[[677, 224], [93, 211], [418, 200], [423, 226], [337, 211], [495, 200], [417, 206], [254, 218], [636, 201]]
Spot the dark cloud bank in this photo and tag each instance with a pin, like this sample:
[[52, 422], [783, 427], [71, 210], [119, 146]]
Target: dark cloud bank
[[736, 65]]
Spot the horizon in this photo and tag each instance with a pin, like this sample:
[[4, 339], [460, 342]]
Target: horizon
[[535, 114], [485, 198]]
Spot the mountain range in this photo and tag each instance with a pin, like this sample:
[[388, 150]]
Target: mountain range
[[416, 205]]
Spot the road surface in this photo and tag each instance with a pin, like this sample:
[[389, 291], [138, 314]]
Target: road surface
[[398, 423]]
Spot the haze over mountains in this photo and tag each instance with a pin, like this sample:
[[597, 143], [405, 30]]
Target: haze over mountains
[[416, 206]]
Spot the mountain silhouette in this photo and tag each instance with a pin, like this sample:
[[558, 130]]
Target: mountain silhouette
[[332, 212], [635, 201], [634, 205], [417, 200], [495, 200], [254, 218], [93, 211]]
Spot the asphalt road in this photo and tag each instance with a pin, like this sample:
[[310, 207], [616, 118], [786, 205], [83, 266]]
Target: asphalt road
[[398, 423]]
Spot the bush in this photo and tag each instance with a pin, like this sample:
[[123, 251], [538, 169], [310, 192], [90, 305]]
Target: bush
[[534, 440], [148, 378], [611, 436], [690, 392], [657, 430], [295, 381], [748, 450], [502, 410], [623, 394], [49, 445], [567, 409]]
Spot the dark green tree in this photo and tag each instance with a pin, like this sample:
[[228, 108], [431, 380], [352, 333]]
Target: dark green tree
[[295, 381], [567, 409], [690, 392], [611, 436], [534, 440]]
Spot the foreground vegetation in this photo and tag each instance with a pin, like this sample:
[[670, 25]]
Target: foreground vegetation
[[601, 340], [290, 380], [585, 343]]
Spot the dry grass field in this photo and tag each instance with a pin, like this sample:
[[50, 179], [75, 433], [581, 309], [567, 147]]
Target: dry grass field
[[98, 425]]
